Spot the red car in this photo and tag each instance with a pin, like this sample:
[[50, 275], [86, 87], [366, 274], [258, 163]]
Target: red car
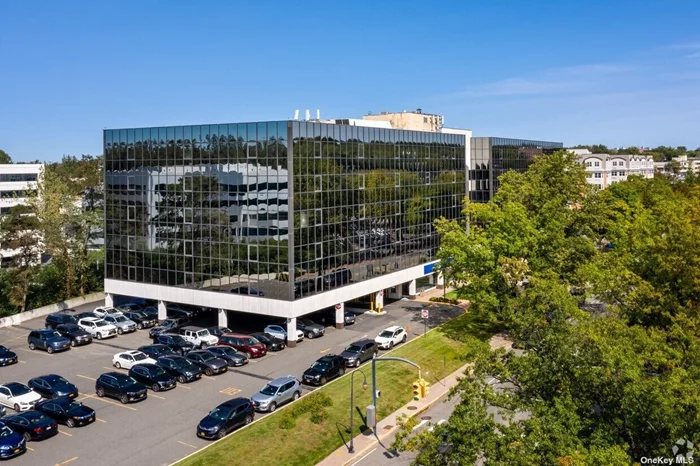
[[244, 343]]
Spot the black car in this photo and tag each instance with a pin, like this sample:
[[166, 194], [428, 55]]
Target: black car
[[153, 376], [7, 357], [175, 342], [181, 368], [156, 351], [209, 363], [359, 352], [270, 342], [131, 307], [66, 411], [32, 425], [168, 325], [141, 319], [58, 318], [218, 331], [120, 386], [231, 356], [84, 315], [53, 386], [225, 418], [151, 312], [324, 369], [75, 334]]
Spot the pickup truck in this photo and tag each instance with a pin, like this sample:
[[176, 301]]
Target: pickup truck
[[199, 337]]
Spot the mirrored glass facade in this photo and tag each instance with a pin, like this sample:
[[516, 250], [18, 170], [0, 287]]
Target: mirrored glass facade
[[287, 208], [492, 157]]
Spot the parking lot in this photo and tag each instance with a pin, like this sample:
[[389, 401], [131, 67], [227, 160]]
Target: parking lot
[[162, 428]]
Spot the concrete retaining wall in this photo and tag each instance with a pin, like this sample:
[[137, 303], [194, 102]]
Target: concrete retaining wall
[[46, 310]]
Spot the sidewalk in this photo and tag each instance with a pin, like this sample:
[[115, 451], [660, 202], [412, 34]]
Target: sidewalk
[[388, 425]]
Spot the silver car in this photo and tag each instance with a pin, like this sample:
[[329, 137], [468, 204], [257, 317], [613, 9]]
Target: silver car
[[123, 323], [277, 392]]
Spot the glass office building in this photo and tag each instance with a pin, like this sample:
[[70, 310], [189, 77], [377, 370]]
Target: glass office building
[[282, 209], [492, 157]]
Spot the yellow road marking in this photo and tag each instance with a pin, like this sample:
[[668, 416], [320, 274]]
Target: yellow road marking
[[43, 353], [67, 461], [85, 377], [325, 350], [109, 368], [23, 362], [271, 354], [30, 449], [101, 420], [207, 377], [64, 433], [182, 386], [112, 402], [187, 445], [230, 391], [155, 396]]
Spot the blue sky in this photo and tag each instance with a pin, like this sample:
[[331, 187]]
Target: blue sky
[[620, 73]]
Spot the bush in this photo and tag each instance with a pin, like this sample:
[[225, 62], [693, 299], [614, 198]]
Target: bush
[[319, 416], [443, 299], [288, 420], [312, 403]]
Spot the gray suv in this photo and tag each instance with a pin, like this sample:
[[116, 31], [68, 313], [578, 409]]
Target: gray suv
[[310, 328], [277, 392], [359, 352]]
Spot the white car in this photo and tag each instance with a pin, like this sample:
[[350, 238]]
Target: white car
[[106, 310], [391, 336], [97, 327], [18, 396], [129, 359], [280, 332]]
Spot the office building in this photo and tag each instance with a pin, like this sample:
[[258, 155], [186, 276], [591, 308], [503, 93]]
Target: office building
[[276, 218], [491, 157], [603, 170], [16, 181]]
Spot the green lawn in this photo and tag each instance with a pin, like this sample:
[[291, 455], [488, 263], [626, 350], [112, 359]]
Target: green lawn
[[440, 352]]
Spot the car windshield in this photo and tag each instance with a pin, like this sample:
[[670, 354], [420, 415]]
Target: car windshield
[[305, 322], [251, 341], [139, 315], [207, 356], [5, 432], [320, 366], [55, 379], [353, 349], [269, 390], [70, 327], [120, 319], [203, 333], [386, 334], [178, 340], [140, 357], [220, 414], [125, 381], [156, 371], [36, 418], [3, 348], [101, 323], [54, 335], [73, 406]]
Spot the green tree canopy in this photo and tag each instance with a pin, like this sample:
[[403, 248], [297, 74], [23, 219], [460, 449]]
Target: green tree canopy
[[5, 157]]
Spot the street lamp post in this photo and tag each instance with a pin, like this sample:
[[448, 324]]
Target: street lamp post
[[374, 376], [351, 448]]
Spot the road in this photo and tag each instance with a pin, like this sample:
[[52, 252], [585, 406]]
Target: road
[[161, 429]]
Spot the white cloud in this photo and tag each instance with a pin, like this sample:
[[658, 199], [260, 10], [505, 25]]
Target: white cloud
[[693, 55]]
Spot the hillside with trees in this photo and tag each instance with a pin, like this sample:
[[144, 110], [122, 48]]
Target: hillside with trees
[[600, 292]]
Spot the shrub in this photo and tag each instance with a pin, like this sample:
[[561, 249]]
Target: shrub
[[288, 420], [319, 416], [443, 299]]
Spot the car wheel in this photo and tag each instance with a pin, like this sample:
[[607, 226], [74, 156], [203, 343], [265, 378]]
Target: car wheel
[[341, 372], [273, 407], [309, 335], [70, 423], [221, 434], [403, 340], [248, 419], [391, 344], [296, 396], [27, 437], [182, 352], [155, 387], [124, 399], [120, 331], [248, 355], [32, 346], [98, 336], [16, 407], [181, 379], [203, 345], [73, 343], [49, 349], [100, 392], [139, 326], [323, 381], [208, 372], [117, 365]]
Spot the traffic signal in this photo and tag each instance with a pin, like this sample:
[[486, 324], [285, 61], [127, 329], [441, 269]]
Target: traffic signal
[[417, 390], [424, 390]]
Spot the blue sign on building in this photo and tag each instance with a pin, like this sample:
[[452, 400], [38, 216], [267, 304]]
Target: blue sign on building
[[428, 268]]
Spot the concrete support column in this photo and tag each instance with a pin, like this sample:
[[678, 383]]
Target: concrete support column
[[395, 292], [162, 311], [440, 280], [223, 318], [109, 300], [292, 332], [379, 301], [412, 293], [340, 315]]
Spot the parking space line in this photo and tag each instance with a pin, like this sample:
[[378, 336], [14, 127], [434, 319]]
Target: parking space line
[[85, 377], [101, 420], [272, 354], [182, 386], [23, 362], [112, 402], [108, 368], [325, 350], [207, 377], [187, 445], [30, 449], [67, 461], [64, 433], [155, 396]]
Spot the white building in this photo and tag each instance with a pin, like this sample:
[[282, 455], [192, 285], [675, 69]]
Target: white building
[[685, 165], [606, 169], [16, 181]]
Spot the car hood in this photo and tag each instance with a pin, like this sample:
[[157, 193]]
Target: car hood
[[107, 327], [27, 397], [237, 357], [65, 389], [209, 423], [12, 440], [349, 355], [312, 372], [128, 323], [8, 355], [58, 340], [216, 363], [382, 339], [210, 339], [82, 411], [79, 333], [261, 398], [164, 378], [136, 387]]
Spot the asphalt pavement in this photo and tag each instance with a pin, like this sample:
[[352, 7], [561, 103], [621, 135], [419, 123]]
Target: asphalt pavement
[[162, 428]]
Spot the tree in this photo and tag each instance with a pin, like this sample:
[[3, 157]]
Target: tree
[[19, 232], [5, 157]]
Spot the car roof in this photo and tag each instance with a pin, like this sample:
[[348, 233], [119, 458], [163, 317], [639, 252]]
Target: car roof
[[364, 341], [282, 380], [327, 357], [48, 376], [133, 352], [45, 330], [118, 375], [91, 319], [236, 335], [193, 328], [393, 328], [13, 385], [234, 403]]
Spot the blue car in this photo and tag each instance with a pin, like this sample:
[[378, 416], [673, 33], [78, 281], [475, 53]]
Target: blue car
[[7, 357], [11, 443], [48, 339]]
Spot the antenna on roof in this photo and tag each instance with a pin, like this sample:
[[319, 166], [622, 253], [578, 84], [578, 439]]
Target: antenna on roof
[[296, 114]]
